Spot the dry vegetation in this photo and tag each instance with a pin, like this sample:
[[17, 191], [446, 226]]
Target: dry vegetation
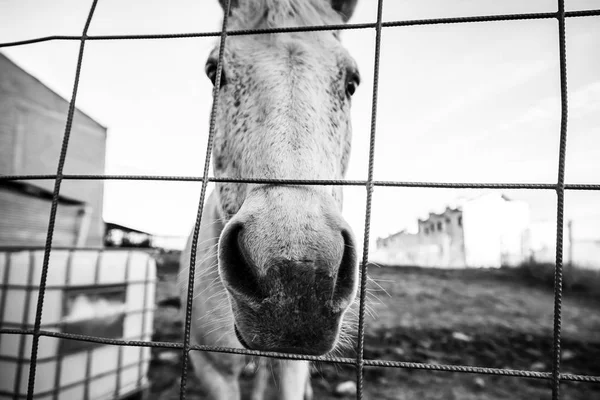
[[488, 318]]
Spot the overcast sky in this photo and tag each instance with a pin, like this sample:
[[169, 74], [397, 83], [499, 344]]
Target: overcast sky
[[464, 102]]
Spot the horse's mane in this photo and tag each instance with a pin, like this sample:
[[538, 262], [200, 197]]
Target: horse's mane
[[267, 14]]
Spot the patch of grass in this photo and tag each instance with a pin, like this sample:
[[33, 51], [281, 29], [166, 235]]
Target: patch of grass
[[480, 317], [575, 280], [475, 301]]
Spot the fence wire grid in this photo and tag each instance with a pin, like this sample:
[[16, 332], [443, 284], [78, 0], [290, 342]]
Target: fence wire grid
[[555, 376]]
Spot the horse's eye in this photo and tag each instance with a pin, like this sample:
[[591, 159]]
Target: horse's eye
[[352, 83], [211, 72]]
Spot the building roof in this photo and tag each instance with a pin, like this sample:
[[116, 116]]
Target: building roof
[[457, 208], [28, 189], [445, 212], [112, 225], [393, 235], [459, 203], [6, 60]]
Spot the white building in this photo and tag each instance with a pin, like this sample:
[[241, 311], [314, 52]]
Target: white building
[[486, 231]]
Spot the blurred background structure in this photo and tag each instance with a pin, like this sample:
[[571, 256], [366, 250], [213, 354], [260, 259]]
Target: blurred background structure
[[488, 230], [32, 118], [102, 293]]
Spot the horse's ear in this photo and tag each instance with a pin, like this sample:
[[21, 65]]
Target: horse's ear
[[344, 7], [234, 4]]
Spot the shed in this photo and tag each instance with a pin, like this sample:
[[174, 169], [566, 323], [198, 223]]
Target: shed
[[32, 125], [25, 216]]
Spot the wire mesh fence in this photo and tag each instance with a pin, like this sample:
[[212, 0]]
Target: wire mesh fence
[[555, 376]]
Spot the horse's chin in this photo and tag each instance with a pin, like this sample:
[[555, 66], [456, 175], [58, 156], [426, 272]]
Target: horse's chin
[[314, 336], [300, 350]]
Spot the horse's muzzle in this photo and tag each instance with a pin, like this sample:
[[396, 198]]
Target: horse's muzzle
[[292, 306]]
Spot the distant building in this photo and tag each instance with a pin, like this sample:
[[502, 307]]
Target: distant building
[[32, 125], [123, 236], [487, 231]]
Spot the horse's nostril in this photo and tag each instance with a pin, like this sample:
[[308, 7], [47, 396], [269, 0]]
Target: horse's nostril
[[237, 268], [346, 282]]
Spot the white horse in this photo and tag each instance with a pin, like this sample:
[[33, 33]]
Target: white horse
[[276, 266]]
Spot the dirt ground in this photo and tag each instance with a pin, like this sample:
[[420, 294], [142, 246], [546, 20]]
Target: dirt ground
[[464, 317]]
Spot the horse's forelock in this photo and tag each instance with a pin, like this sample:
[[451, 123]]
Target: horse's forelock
[[268, 14]]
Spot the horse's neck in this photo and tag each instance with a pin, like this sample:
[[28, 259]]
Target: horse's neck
[[213, 321], [208, 239]]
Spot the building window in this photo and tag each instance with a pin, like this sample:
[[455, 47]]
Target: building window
[[448, 221], [432, 228], [426, 231], [439, 226], [460, 220]]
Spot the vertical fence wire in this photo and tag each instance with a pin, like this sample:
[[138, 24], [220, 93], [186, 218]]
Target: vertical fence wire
[[205, 180], [364, 267], [560, 203], [53, 209]]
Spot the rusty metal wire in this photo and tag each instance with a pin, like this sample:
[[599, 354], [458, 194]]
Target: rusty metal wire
[[55, 198], [388, 24], [209, 146], [320, 182], [560, 187], [326, 359], [560, 206], [360, 363]]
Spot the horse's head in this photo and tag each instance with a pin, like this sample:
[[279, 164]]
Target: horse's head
[[286, 255]]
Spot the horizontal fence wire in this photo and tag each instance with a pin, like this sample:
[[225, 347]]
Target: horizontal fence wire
[[324, 359], [389, 24], [555, 376], [314, 182]]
